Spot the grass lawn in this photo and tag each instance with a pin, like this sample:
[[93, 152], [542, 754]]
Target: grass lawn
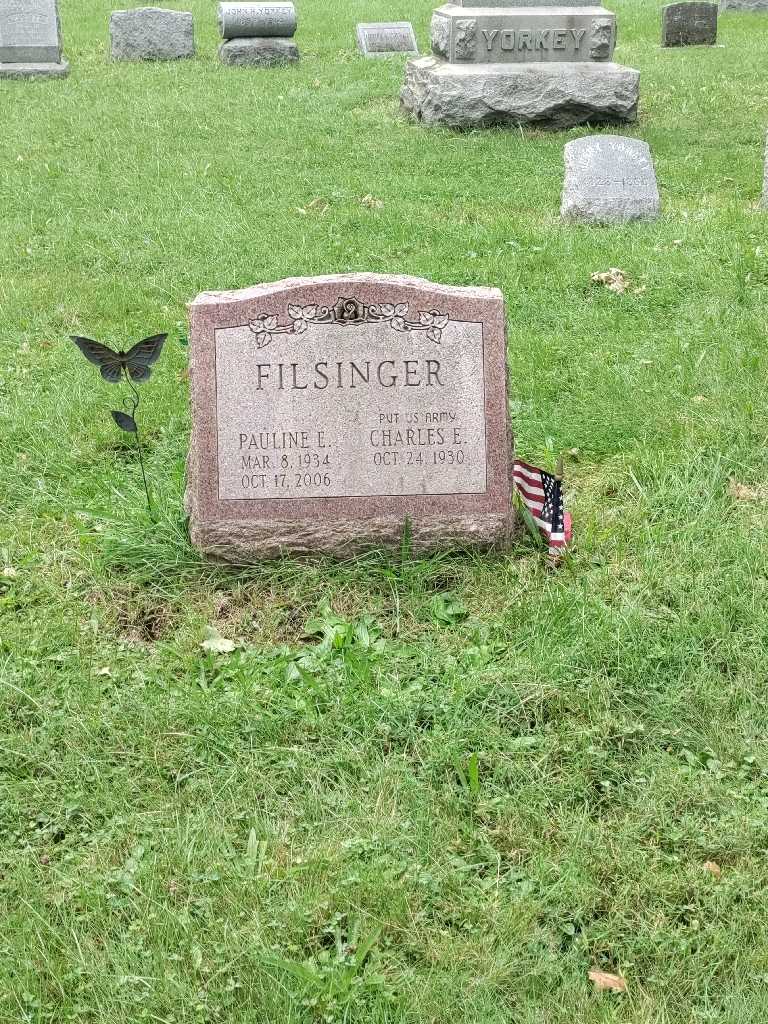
[[419, 792]]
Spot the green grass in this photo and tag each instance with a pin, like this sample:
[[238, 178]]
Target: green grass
[[484, 780]]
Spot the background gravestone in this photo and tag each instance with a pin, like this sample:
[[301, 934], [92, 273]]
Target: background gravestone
[[239, 21], [257, 34], [689, 24], [328, 412], [30, 40], [379, 39], [513, 62], [744, 5], [609, 179], [151, 33]]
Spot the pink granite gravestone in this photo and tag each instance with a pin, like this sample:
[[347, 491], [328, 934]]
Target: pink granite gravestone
[[329, 412]]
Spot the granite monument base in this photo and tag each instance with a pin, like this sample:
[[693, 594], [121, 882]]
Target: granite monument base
[[244, 543], [551, 95], [32, 70]]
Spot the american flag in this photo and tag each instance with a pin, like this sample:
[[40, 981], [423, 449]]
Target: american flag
[[542, 495]]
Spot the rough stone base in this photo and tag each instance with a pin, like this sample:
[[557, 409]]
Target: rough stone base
[[241, 542], [258, 52], [60, 70], [548, 95]]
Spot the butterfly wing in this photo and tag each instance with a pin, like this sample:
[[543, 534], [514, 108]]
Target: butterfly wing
[[143, 355], [106, 360]]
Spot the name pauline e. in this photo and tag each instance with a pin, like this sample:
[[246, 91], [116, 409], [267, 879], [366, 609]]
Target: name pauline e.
[[387, 373]]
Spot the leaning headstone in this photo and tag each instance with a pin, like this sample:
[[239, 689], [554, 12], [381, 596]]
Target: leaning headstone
[[517, 62], [744, 5], [609, 179], [30, 40], [151, 33], [689, 24], [380, 39], [335, 414], [257, 34]]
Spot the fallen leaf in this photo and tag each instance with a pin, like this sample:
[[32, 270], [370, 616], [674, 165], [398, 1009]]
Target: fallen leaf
[[605, 982], [699, 398], [215, 643], [371, 202], [318, 205], [614, 280], [713, 868], [105, 672], [9, 573], [743, 492]]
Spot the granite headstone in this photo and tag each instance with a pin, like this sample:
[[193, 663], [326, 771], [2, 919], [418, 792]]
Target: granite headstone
[[609, 179], [379, 39], [263, 20], [689, 24], [151, 33], [257, 34], [30, 40], [330, 412]]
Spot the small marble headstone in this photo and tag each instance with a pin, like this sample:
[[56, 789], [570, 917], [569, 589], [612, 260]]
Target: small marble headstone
[[609, 179], [331, 414], [151, 33], [30, 39], [689, 24], [379, 39]]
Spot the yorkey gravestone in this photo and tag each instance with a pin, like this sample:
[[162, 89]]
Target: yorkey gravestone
[[609, 179], [516, 62], [335, 414], [30, 40], [382, 38], [689, 24]]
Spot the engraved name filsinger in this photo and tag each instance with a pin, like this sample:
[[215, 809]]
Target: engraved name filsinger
[[369, 402]]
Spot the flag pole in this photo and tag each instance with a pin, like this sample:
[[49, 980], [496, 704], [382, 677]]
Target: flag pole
[[554, 558]]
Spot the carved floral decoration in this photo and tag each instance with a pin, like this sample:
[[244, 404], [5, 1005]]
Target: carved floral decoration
[[349, 312]]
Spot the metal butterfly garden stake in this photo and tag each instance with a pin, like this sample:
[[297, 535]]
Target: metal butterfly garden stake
[[133, 365]]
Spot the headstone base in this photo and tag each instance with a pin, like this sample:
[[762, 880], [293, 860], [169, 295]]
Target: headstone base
[[556, 95], [244, 543], [60, 70], [256, 51]]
